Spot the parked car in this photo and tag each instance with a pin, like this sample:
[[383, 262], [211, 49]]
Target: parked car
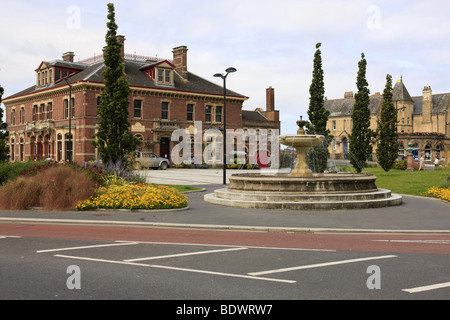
[[147, 160]]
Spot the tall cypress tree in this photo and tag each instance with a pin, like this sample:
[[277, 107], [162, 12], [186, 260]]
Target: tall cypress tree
[[360, 139], [114, 139], [317, 157], [4, 134], [387, 150]]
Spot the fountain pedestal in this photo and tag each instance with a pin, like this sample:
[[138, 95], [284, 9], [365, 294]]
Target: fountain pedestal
[[301, 189]]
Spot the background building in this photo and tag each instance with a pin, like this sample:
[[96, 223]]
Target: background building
[[165, 96], [423, 121]]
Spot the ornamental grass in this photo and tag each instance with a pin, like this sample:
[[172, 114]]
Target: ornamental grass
[[55, 188], [134, 197]]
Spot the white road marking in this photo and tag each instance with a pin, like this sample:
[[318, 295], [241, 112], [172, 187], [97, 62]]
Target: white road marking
[[88, 247], [5, 237], [319, 265], [224, 245], [417, 241], [177, 269], [428, 288], [183, 254]]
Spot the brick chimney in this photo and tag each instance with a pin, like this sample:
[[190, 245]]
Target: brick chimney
[[180, 61], [348, 95], [68, 56], [427, 105], [270, 99]]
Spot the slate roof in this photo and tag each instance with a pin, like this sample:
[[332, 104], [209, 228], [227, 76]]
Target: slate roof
[[253, 116], [344, 107], [440, 103], [136, 78], [400, 93]]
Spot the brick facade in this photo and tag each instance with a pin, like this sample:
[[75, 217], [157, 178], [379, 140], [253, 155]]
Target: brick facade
[[170, 97]]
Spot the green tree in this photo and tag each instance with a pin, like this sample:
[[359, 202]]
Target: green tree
[[114, 139], [360, 139], [387, 150], [317, 157], [4, 134]]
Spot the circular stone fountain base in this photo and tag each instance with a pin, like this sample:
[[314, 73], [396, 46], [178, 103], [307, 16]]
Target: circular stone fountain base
[[319, 192]]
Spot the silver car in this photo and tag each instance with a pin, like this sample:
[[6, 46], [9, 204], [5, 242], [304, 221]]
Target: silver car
[[149, 160]]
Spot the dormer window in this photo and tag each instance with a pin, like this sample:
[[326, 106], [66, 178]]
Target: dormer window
[[52, 72], [161, 72], [164, 76]]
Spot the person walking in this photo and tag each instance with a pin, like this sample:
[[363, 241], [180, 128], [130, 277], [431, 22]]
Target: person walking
[[422, 163], [436, 162]]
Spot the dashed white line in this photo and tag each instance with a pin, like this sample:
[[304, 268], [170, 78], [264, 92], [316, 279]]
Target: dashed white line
[[417, 241], [319, 265], [89, 247], [183, 254], [428, 288], [177, 269]]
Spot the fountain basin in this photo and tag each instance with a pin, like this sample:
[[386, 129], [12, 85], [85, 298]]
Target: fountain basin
[[316, 183], [302, 141], [319, 192]]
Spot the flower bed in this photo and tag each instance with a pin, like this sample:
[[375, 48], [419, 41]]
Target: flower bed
[[134, 197], [441, 193]]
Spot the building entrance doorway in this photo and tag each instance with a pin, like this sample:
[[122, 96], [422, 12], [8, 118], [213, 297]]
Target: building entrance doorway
[[164, 150]]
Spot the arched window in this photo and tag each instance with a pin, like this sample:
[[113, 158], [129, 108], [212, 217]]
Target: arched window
[[13, 148], [59, 148], [69, 147], [141, 139], [428, 151], [22, 149]]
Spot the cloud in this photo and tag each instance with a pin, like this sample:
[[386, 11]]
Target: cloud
[[270, 42]]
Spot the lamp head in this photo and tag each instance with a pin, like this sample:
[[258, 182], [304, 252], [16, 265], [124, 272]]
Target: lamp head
[[231, 70], [218, 75]]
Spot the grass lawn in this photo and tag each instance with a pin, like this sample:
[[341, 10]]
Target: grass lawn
[[181, 188], [413, 183]]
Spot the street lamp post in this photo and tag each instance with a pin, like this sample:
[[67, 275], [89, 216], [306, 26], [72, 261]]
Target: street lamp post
[[70, 119], [224, 77]]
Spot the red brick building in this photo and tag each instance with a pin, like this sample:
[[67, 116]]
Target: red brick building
[[165, 96]]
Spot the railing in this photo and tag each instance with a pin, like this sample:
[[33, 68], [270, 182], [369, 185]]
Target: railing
[[128, 56]]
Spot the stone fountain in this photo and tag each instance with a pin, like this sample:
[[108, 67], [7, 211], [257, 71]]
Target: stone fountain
[[301, 189]]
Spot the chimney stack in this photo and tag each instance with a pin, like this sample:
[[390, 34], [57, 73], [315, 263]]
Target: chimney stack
[[270, 99], [180, 61], [427, 105], [348, 95], [68, 56]]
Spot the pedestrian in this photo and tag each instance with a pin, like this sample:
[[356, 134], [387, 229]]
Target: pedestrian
[[436, 162], [422, 162]]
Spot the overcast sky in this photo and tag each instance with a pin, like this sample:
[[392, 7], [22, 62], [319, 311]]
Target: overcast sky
[[269, 42]]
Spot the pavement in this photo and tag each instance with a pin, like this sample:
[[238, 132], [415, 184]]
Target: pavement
[[415, 215]]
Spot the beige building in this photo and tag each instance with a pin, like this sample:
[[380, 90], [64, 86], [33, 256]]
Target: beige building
[[423, 121]]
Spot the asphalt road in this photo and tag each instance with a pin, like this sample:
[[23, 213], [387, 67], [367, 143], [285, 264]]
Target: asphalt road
[[211, 255], [177, 264]]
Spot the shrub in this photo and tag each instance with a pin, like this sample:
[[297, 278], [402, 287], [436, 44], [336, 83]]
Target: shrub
[[56, 188], [133, 197], [400, 164], [10, 171]]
